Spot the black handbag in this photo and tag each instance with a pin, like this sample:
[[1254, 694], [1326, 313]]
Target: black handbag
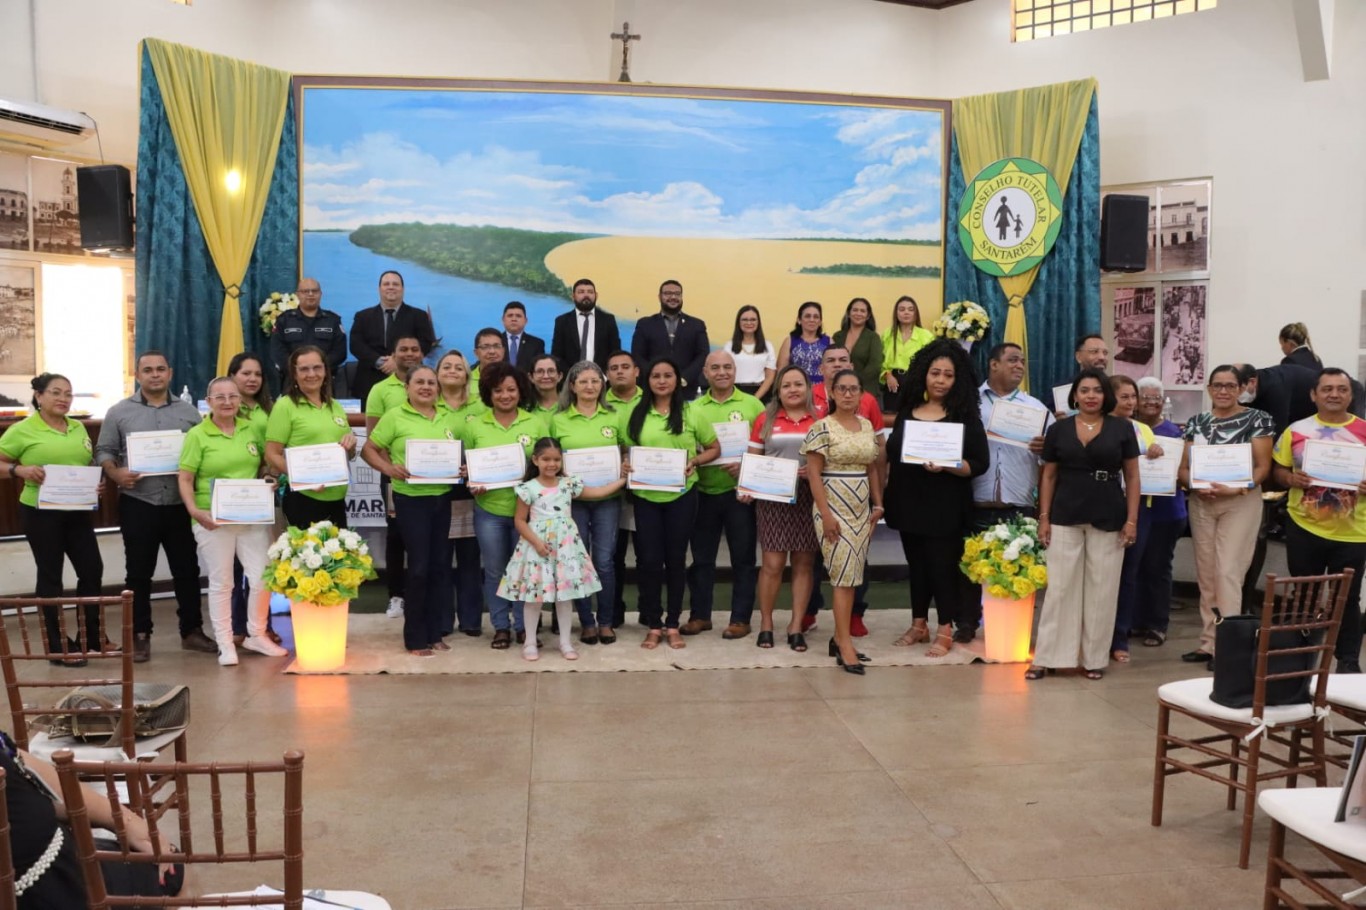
[[1235, 663]]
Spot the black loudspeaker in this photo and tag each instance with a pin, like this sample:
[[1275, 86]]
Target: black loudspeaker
[[106, 207], [1124, 233]]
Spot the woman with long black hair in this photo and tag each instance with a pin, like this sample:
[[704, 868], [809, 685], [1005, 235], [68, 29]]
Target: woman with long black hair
[[756, 359]]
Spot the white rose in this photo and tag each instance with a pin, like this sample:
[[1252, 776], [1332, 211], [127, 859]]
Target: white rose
[[332, 547], [1012, 552], [313, 560]]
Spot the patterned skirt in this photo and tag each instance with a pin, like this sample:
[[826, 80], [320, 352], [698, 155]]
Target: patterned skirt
[[787, 528], [846, 557]]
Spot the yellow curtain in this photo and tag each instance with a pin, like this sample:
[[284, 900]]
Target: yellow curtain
[[226, 116], [1043, 124]]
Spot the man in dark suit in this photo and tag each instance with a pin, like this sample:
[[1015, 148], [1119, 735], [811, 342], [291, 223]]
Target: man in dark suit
[[586, 323], [669, 333], [522, 348], [375, 329]]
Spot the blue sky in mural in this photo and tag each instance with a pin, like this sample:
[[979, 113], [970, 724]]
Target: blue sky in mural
[[620, 165]]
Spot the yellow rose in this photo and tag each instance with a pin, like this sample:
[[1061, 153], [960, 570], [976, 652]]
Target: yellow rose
[[1010, 568], [1039, 575], [322, 579], [348, 578], [1023, 587], [971, 547], [998, 591], [1027, 560]]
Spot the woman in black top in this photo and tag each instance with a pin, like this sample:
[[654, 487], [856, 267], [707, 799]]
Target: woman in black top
[[931, 505], [1086, 519]]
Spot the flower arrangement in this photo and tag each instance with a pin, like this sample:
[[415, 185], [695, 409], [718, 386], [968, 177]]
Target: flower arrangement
[[962, 320], [324, 565], [1007, 559], [276, 304]]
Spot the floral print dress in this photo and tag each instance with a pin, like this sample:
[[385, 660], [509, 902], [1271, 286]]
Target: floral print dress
[[567, 573]]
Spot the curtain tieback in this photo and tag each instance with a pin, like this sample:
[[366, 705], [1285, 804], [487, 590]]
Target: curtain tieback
[[1015, 300], [233, 291]]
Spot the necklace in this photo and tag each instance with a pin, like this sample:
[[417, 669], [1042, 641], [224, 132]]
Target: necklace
[[1089, 426]]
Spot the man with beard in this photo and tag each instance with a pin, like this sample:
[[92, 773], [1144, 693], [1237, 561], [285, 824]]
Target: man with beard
[[587, 333], [669, 333]]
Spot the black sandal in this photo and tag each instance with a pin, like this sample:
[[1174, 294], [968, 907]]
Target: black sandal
[[765, 639], [1155, 639], [1095, 674], [796, 641], [502, 640], [1038, 672]]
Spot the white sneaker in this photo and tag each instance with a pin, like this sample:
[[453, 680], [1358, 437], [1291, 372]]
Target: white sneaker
[[395, 610], [227, 656], [262, 645]]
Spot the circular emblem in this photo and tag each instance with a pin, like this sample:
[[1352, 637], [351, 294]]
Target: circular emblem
[[252, 450], [1009, 216], [524, 439], [736, 417], [339, 421], [609, 432], [450, 435], [86, 443]]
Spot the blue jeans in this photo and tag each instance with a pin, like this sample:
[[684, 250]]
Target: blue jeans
[[1153, 611], [597, 522], [717, 513], [497, 537], [424, 521], [1127, 606]]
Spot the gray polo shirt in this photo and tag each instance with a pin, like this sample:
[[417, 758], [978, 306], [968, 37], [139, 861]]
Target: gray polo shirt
[[135, 415]]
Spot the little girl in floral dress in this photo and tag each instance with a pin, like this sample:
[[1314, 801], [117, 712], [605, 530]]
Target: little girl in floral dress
[[550, 564]]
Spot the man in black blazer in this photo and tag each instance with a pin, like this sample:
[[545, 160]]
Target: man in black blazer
[[522, 348], [566, 344], [672, 334], [375, 329]]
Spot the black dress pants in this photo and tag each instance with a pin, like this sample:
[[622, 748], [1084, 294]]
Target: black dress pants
[[148, 529], [1307, 553], [54, 536]]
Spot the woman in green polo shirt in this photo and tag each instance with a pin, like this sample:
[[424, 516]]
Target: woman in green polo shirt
[[545, 379], [227, 447], [461, 404], [507, 393], [422, 511], [248, 372], [308, 415], [664, 520], [585, 421], [49, 437]]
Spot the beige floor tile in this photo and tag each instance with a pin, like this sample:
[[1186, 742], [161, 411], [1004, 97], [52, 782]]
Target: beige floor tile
[[1208, 889], [692, 739], [729, 838], [926, 897], [674, 688]]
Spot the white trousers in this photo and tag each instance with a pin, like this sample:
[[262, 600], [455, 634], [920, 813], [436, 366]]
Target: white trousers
[[1077, 620], [217, 548]]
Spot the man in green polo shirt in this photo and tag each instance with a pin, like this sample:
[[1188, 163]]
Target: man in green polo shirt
[[623, 393], [392, 390], [489, 348], [730, 412]]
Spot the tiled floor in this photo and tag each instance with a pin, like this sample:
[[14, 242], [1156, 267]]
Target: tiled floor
[[954, 787]]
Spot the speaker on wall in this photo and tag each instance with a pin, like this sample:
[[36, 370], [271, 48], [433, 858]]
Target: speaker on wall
[[1124, 233], [105, 194]]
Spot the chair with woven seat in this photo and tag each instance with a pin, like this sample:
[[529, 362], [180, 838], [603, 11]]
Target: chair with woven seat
[[1310, 609], [24, 652]]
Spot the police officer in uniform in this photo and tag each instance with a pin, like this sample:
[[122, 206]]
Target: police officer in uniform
[[309, 324]]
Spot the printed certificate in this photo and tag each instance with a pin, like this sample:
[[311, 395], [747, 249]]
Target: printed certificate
[[932, 442], [734, 439], [1341, 466], [242, 502], [596, 466], [432, 460], [69, 488], [766, 477], [665, 470], [496, 467], [1060, 393], [1157, 476], [1230, 465], [315, 467], [1015, 424], [154, 453]]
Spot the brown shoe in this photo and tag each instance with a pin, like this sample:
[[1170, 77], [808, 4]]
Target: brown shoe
[[736, 630], [695, 626], [198, 641], [142, 648]]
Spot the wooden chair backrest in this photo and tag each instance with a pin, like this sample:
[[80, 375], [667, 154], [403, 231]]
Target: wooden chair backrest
[[1310, 606], [24, 648], [223, 781], [7, 899]]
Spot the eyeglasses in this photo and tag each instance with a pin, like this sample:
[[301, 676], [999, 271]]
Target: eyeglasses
[[217, 398], [847, 390], [1223, 386]]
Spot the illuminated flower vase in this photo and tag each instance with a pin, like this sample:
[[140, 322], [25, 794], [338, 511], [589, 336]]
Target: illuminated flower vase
[[320, 570], [1009, 562]]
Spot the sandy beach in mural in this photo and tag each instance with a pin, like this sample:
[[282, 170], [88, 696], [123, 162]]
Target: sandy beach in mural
[[719, 276]]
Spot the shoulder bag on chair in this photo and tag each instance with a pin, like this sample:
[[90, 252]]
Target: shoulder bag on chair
[[158, 708], [1235, 663]]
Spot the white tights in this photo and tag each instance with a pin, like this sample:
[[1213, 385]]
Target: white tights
[[564, 614]]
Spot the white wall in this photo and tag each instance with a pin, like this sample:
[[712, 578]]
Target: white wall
[[1216, 94]]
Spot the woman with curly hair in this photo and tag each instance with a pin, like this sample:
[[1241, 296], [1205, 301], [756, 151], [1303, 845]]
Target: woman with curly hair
[[931, 504]]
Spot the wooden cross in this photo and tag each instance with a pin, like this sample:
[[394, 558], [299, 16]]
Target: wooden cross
[[625, 37]]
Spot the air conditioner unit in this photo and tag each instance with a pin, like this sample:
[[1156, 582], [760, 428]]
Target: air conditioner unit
[[26, 123]]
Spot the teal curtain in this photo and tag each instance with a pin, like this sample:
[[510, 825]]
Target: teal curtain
[[179, 296], [1064, 302]]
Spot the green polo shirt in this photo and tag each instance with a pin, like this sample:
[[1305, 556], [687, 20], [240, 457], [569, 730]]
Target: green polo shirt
[[545, 413], [257, 417], [654, 433], [304, 424], [385, 395], [485, 432], [573, 430], [622, 404], [740, 407], [458, 417], [32, 441], [211, 455], [399, 425]]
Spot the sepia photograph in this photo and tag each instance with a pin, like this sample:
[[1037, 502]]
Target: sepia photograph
[[13, 201], [1183, 334], [18, 326], [56, 216], [1181, 230], [1135, 311]]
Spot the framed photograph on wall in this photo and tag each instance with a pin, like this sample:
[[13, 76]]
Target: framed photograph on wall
[[18, 321], [14, 202], [1183, 334], [1135, 331], [56, 212], [1182, 227]]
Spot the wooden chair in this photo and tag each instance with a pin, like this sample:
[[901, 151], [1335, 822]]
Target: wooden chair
[[1347, 702], [1309, 813], [8, 900], [178, 844], [1234, 756]]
